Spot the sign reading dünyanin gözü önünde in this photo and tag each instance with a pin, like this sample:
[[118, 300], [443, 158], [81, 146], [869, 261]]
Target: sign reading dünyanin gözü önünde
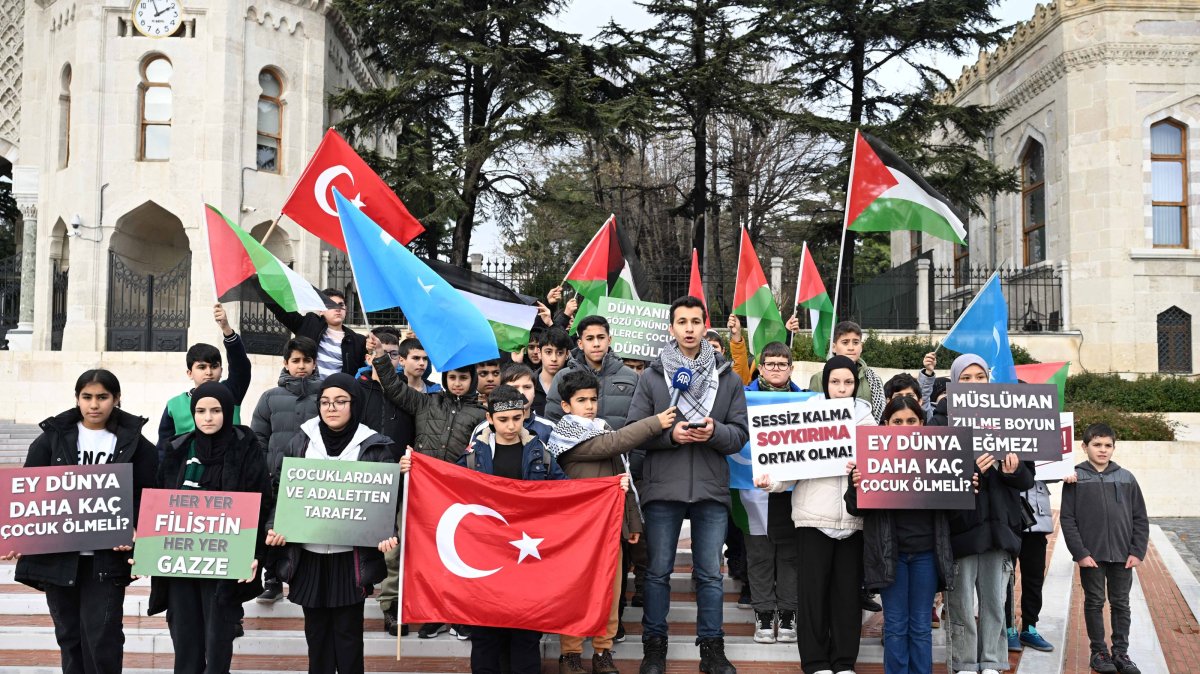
[[915, 468], [66, 508], [802, 441], [197, 534], [337, 502], [638, 329], [1017, 418]]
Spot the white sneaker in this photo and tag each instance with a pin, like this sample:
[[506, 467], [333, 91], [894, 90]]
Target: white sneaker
[[787, 627], [764, 627], [823, 671], [990, 671]]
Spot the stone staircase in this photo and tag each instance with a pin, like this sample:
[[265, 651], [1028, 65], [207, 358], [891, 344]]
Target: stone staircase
[[14, 441]]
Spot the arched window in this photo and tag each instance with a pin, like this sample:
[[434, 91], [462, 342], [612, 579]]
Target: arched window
[[1033, 202], [64, 118], [154, 141], [1168, 183], [270, 122], [1174, 341]]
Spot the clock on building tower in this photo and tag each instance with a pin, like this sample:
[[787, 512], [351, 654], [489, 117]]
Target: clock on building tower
[[157, 18]]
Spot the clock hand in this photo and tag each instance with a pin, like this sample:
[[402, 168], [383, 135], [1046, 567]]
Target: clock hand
[[167, 9], [155, 5]]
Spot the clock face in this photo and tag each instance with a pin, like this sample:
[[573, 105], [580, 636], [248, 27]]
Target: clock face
[[157, 18]]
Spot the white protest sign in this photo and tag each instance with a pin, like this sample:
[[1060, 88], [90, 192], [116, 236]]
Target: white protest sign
[[802, 441], [1057, 470]]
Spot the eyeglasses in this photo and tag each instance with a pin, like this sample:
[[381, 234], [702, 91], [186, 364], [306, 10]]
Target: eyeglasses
[[906, 394], [338, 404], [392, 354], [776, 366]]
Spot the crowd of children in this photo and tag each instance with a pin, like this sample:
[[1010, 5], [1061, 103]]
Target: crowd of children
[[568, 408]]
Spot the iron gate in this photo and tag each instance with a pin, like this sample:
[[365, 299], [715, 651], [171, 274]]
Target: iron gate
[[148, 312], [58, 306], [261, 331], [10, 294]]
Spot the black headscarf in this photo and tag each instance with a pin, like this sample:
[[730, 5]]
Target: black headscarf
[[337, 441], [838, 363], [210, 449]]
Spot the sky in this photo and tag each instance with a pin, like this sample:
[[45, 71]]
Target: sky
[[587, 17]]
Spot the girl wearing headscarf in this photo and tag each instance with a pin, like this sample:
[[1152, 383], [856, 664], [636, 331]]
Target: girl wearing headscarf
[[203, 614], [828, 617], [984, 541], [331, 582]]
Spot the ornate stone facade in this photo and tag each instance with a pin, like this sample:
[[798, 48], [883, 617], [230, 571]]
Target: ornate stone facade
[[12, 43]]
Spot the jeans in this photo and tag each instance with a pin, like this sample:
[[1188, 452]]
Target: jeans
[[1113, 579], [202, 627], [488, 645], [773, 571], [984, 646], [1033, 571], [87, 622], [663, 521], [907, 634]]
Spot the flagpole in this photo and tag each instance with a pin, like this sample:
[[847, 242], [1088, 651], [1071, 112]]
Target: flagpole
[[837, 287], [400, 568], [611, 218], [966, 311], [271, 229], [208, 244], [796, 296], [354, 276]]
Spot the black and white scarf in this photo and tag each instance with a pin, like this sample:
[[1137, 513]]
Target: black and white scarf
[[572, 430], [875, 384], [696, 402]]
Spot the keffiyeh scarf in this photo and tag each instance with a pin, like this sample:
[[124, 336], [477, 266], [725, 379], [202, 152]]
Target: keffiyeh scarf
[[572, 430], [696, 402]]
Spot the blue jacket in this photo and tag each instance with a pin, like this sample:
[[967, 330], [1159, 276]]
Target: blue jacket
[[534, 458]]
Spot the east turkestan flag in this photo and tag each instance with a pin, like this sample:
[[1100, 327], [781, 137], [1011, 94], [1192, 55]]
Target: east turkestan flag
[[811, 295], [753, 300], [982, 329], [244, 270], [885, 194], [607, 267]]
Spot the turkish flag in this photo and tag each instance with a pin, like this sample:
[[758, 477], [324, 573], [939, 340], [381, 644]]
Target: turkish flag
[[336, 164], [486, 550]]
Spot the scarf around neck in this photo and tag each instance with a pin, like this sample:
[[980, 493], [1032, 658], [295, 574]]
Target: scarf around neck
[[206, 457], [572, 430], [694, 403]]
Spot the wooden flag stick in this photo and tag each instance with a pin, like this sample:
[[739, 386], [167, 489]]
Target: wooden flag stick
[[400, 570], [271, 229]]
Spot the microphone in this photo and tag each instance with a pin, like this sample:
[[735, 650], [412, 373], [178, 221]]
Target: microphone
[[680, 382]]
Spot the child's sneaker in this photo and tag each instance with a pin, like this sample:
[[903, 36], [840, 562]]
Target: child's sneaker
[[1102, 663], [744, 597], [431, 630], [1124, 664], [764, 627], [620, 636], [787, 627], [1014, 641], [1031, 638]]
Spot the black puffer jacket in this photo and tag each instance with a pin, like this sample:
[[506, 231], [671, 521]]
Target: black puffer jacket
[[281, 410], [617, 383], [443, 421], [244, 470], [58, 445], [380, 414], [880, 549], [313, 326]]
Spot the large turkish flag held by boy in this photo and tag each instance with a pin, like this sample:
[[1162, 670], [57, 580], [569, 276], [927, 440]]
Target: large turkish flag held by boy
[[486, 550]]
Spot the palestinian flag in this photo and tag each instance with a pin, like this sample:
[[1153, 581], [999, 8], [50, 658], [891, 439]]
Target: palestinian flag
[[244, 270], [510, 321], [607, 267], [1047, 373], [696, 287], [753, 300], [886, 195], [810, 294]]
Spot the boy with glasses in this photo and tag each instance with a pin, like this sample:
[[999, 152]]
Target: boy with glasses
[[339, 349]]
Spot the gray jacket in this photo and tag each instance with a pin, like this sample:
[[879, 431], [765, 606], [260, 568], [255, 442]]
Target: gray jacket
[[617, 383], [281, 410], [698, 471], [1038, 499], [1104, 515]]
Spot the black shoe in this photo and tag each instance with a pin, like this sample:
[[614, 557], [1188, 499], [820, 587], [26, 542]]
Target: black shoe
[[638, 600], [654, 655], [431, 630], [744, 600], [620, 637], [869, 603], [460, 632], [390, 624], [272, 592], [712, 657], [1103, 663], [1124, 664]]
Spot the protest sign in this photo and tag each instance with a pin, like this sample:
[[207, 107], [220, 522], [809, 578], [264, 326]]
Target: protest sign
[[740, 474], [1057, 470], [196, 534], [915, 468], [66, 508], [802, 441], [638, 329], [337, 502], [1017, 418]]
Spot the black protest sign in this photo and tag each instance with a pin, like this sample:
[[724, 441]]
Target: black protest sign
[[915, 468], [1017, 418]]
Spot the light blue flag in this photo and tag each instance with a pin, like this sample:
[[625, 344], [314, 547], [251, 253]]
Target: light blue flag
[[740, 474], [983, 330], [453, 332]]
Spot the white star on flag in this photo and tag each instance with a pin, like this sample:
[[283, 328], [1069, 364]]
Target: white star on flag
[[527, 546]]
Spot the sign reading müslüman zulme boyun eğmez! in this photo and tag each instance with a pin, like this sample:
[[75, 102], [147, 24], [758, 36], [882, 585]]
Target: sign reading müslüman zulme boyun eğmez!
[[1018, 418], [66, 508], [638, 329], [915, 468], [337, 502], [802, 440], [196, 534]]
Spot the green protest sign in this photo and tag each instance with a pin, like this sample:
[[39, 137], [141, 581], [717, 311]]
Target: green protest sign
[[337, 502], [196, 534], [638, 329]]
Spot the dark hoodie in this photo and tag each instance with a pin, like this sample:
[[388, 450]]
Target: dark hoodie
[[379, 413], [617, 383], [443, 421], [281, 410], [1104, 515]]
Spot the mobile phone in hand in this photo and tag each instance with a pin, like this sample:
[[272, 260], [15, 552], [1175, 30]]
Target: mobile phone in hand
[[691, 425]]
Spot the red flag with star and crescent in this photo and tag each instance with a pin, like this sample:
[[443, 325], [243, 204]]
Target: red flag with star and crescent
[[336, 164], [487, 550]]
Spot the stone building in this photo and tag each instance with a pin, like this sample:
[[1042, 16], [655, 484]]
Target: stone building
[[114, 140], [1104, 131]]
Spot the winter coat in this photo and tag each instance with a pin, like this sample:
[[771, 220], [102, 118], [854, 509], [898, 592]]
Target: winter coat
[[238, 382], [536, 461], [696, 471], [1038, 499], [380, 414], [617, 383], [58, 445], [1104, 515], [245, 470], [371, 567], [313, 326], [443, 421], [881, 550], [996, 522], [281, 410], [601, 457]]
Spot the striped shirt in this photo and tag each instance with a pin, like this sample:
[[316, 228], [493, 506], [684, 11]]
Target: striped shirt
[[329, 352]]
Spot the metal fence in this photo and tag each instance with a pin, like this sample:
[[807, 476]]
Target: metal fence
[[340, 276], [888, 301], [1034, 296]]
